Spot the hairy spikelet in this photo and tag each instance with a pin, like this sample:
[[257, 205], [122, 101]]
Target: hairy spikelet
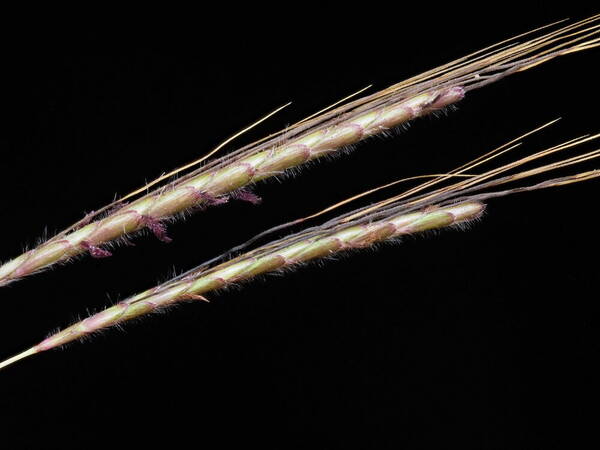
[[327, 134]]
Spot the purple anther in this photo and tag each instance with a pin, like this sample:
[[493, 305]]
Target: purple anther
[[246, 196], [95, 251], [158, 228]]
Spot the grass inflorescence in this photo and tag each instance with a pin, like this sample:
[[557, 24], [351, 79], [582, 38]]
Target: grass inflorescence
[[328, 133], [422, 208]]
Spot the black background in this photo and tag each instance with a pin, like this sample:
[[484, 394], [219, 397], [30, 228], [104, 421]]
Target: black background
[[483, 339]]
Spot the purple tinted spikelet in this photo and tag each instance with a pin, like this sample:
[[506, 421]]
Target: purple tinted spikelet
[[275, 258], [216, 185]]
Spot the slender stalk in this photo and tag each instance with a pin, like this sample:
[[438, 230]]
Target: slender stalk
[[22, 355], [327, 134]]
